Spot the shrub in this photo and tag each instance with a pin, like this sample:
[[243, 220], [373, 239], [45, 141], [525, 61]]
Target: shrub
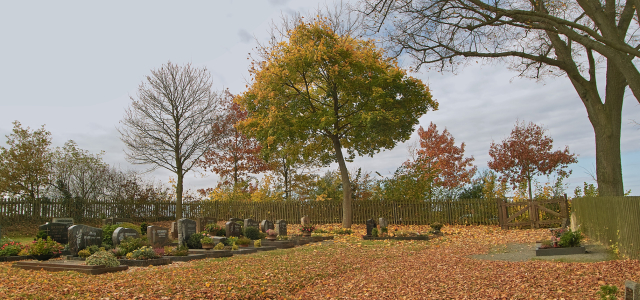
[[143, 228], [181, 250], [159, 251], [374, 232], [93, 249], [84, 253], [243, 241], [257, 243], [252, 233], [10, 248], [119, 252], [41, 247], [102, 258], [282, 238], [343, 231], [106, 247], [41, 235], [130, 244], [234, 247], [436, 226], [194, 241], [608, 292], [144, 253], [231, 241], [321, 231], [215, 229], [219, 246], [570, 239]]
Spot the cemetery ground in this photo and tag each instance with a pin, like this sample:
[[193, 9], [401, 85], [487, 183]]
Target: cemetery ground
[[466, 263]]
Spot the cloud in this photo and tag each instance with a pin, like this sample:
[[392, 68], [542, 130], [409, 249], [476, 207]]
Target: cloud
[[278, 2], [245, 36]]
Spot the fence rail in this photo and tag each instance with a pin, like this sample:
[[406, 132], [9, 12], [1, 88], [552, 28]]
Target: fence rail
[[464, 211]]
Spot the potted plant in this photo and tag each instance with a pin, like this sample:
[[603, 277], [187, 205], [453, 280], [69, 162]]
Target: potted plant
[[44, 249], [243, 242], [207, 242], [307, 230], [271, 235]]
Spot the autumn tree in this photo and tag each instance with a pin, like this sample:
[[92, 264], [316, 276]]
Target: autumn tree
[[169, 123], [526, 153], [573, 38], [442, 162], [233, 155], [25, 166], [327, 91]]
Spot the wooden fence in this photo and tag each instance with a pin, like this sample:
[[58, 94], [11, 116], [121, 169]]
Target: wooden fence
[[464, 211]]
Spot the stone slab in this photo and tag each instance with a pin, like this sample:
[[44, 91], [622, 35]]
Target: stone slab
[[265, 248], [245, 250], [189, 257], [57, 267], [212, 253], [397, 238], [13, 258], [560, 251], [631, 290], [279, 244], [145, 262]]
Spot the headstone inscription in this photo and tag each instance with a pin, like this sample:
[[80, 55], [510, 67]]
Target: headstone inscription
[[251, 223], [383, 223], [304, 221], [68, 221], [281, 227], [201, 223], [83, 236], [58, 232], [186, 228], [371, 224], [266, 225], [232, 229], [174, 230], [122, 233], [631, 290], [158, 236]]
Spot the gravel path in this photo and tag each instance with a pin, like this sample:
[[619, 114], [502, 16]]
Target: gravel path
[[526, 252]]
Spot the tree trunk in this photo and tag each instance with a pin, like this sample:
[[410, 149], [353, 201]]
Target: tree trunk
[[179, 195], [346, 184]]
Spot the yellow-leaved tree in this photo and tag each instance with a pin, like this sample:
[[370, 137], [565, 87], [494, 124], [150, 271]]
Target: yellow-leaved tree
[[327, 92]]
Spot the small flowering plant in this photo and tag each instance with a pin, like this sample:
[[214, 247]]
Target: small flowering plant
[[271, 232], [556, 234], [10, 248], [307, 228], [44, 247]]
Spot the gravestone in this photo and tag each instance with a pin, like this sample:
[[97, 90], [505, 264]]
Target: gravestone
[[83, 236], [251, 223], [281, 227], [58, 232], [232, 229], [68, 221], [174, 230], [266, 225], [383, 223], [186, 228], [304, 221], [115, 221], [371, 224], [158, 236], [122, 233], [201, 223], [631, 290]]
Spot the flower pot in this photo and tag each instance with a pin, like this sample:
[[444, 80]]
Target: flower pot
[[43, 257], [207, 246], [271, 237], [306, 233]]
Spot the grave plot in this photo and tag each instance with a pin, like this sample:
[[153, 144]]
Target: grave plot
[[67, 266]]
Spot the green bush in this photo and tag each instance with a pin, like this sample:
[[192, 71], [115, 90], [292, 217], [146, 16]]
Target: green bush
[[102, 258], [143, 228], [143, 253], [193, 242], [42, 235], [130, 244], [84, 253], [231, 241], [252, 233], [219, 246], [243, 241], [374, 232], [343, 231], [570, 239]]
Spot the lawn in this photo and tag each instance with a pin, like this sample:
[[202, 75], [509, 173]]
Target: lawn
[[348, 268]]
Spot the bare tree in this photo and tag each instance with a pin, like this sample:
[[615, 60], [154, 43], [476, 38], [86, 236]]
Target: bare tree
[[169, 124], [572, 38]]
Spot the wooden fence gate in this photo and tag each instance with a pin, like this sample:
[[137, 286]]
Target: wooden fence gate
[[513, 214]]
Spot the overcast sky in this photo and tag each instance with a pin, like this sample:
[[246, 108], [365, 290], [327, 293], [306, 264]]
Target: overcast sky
[[73, 65]]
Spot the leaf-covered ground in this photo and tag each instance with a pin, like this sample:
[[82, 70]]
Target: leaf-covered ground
[[348, 268]]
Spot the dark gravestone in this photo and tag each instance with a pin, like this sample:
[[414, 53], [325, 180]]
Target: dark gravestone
[[281, 227], [186, 228], [383, 223], [57, 231], [158, 236], [266, 225], [122, 233], [371, 224], [83, 236], [304, 221], [115, 221], [251, 223], [232, 229], [201, 223], [174, 230], [68, 221]]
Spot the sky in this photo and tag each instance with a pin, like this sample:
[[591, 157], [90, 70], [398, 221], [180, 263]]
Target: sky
[[73, 66]]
